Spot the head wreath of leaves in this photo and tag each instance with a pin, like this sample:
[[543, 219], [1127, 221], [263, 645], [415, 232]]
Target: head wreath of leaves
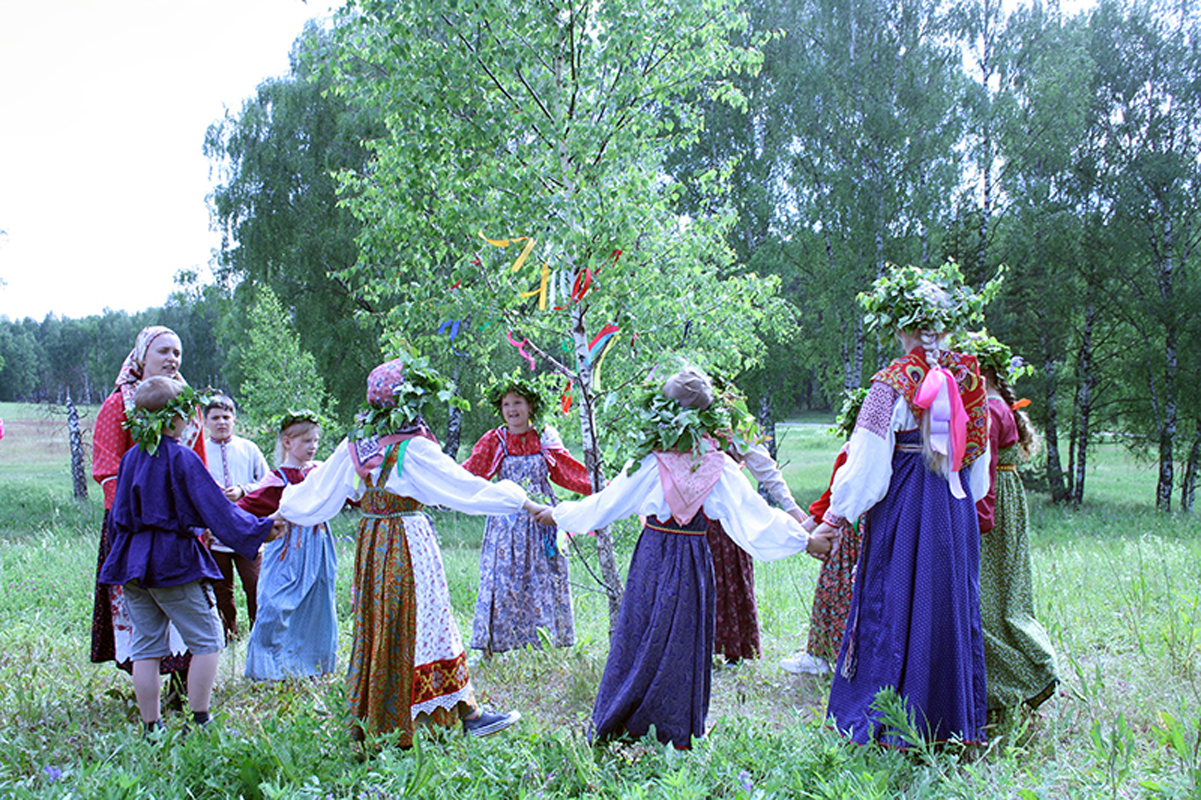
[[534, 390], [852, 401], [993, 355], [146, 427], [422, 385], [664, 424], [916, 298]]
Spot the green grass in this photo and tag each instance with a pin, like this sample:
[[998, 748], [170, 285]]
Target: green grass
[[1118, 587]]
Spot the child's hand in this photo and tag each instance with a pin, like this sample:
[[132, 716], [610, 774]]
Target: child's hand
[[234, 493], [822, 541], [278, 529], [545, 515]]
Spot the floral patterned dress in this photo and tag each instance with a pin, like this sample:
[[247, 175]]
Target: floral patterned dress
[[524, 579]]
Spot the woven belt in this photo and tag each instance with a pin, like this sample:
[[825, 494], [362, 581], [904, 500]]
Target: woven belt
[[654, 526], [393, 514], [905, 447]]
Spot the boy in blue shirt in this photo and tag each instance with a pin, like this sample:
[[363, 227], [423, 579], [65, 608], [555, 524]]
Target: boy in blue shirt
[[165, 497]]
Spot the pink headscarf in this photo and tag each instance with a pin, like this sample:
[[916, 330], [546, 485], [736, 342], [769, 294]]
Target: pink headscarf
[[130, 378], [383, 381]]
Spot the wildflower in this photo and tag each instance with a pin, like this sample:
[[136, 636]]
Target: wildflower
[[52, 772], [744, 778]]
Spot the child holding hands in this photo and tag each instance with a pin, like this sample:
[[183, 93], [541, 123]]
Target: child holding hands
[[524, 582], [297, 629], [659, 667], [164, 498]]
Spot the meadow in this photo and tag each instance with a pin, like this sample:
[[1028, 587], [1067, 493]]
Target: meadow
[[1118, 587]]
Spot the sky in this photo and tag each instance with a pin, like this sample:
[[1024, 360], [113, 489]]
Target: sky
[[103, 111]]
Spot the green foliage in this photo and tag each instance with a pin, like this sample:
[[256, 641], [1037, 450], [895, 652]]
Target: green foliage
[[280, 376], [536, 392], [663, 424], [844, 423], [146, 427], [992, 354], [422, 385], [912, 298]]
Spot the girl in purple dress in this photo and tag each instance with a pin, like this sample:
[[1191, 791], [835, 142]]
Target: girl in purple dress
[[916, 460]]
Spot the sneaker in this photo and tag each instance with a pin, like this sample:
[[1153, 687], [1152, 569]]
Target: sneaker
[[489, 722], [803, 663]]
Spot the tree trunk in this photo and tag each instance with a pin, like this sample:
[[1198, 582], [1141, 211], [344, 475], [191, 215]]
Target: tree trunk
[[1167, 430], [1054, 471], [78, 476], [1084, 398], [454, 433], [1189, 486], [610, 576]]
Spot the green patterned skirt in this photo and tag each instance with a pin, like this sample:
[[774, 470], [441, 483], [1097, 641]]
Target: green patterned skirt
[[1018, 655]]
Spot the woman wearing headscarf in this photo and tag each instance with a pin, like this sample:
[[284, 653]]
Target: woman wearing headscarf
[[407, 663], [156, 352], [916, 461]]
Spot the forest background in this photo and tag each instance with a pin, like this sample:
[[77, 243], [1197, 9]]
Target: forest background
[[715, 184]]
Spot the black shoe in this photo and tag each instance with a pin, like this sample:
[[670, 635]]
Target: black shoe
[[489, 722]]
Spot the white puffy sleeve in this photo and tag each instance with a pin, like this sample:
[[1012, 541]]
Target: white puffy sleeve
[[625, 496], [863, 480], [767, 533], [430, 476], [978, 477], [323, 492], [763, 468]]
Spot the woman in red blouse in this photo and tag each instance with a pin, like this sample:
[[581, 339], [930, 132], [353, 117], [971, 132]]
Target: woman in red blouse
[[157, 351], [524, 582]]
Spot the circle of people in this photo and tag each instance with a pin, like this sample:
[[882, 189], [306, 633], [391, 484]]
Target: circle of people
[[924, 589]]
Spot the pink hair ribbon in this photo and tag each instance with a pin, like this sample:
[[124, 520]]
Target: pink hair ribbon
[[948, 421]]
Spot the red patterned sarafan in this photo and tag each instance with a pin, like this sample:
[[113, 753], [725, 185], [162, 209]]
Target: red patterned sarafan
[[905, 375]]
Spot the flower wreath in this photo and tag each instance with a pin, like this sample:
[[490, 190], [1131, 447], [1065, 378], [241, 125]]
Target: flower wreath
[[146, 427], [993, 354], [908, 298], [422, 383], [533, 390], [664, 424]]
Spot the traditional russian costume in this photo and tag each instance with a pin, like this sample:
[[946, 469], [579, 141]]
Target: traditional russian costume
[[832, 596], [296, 634], [1017, 651], [914, 623], [660, 653], [407, 662], [524, 579], [112, 628]]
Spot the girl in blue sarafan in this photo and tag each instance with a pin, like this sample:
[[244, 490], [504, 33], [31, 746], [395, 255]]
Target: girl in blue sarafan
[[658, 671], [296, 632], [916, 462]]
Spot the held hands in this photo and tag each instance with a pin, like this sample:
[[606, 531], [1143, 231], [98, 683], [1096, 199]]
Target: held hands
[[823, 541], [279, 528], [234, 493], [543, 514]]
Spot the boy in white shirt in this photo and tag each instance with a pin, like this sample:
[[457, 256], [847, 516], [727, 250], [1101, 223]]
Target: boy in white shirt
[[236, 464]]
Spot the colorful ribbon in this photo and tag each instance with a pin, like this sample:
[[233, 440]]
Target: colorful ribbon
[[948, 420], [1020, 404], [597, 349], [525, 251], [521, 348]]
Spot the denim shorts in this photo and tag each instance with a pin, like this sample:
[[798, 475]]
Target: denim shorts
[[191, 607]]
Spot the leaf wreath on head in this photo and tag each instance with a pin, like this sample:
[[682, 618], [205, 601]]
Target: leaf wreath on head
[[534, 390], [992, 354], [421, 385], [146, 427], [664, 424], [917, 298]]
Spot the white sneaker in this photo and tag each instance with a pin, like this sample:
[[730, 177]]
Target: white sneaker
[[803, 663]]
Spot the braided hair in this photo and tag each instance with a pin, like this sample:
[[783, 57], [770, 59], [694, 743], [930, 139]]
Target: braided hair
[[1028, 438]]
